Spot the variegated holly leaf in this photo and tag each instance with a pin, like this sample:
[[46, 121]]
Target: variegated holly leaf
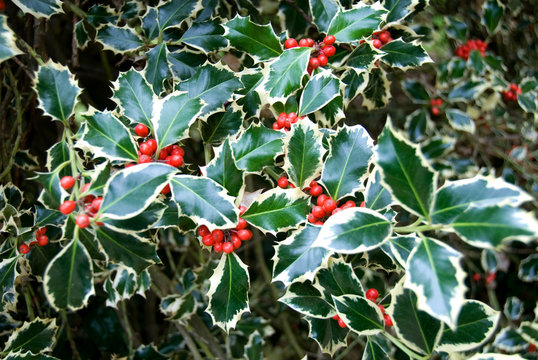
[[528, 269], [99, 14], [250, 102], [184, 63], [125, 285], [134, 97], [355, 83], [8, 274], [306, 299], [68, 279], [283, 75], [8, 48], [36, 336], [364, 57], [435, 275], [206, 36], [86, 237], [130, 191], [204, 201], [177, 307], [466, 91], [416, 91], [56, 90], [346, 166], [476, 324], [376, 196], [221, 125], [40, 8], [257, 147], [118, 39], [295, 259], [228, 292], [352, 25], [377, 93], [510, 340], [292, 19], [404, 55], [323, 11], [454, 197], [488, 227], [157, 68], [406, 172], [417, 125], [142, 222], [494, 356], [338, 279], [259, 41], [53, 194], [327, 333], [513, 308], [460, 120], [492, 13], [319, 91], [278, 210], [57, 156], [223, 170], [399, 9], [99, 179], [46, 216], [128, 250], [373, 351], [529, 331], [106, 136], [173, 116], [304, 152], [173, 12], [528, 102], [354, 230], [331, 113], [214, 84], [359, 314], [401, 247], [254, 347]]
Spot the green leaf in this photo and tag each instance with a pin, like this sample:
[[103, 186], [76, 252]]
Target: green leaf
[[456, 29], [175, 114], [492, 13], [278, 210], [488, 227], [36, 336], [254, 347], [223, 170], [466, 91], [98, 15], [250, 102], [355, 83], [435, 275], [291, 18], [306, 299], [376, 196], [8, 47], [40, 8], [221, 125], [476, 324], [509, 340], [406, 172], [177, 307], [144, 221], [399, 9], [372, 351], [323, 12], [454, 197], [304, 152], [257, 147], [125, 285], [259, 41], [214, 84], [56, 90], [130, 191], [206, 36], [402, 246], [377, 93], [527, 102], [529, 331], [476, 62], [404, 55], [134, 96], [528, 269], [318, 92], [417, 125], [68, 279], [331, 113], [354, 230], [149, 23], [282, 77], [157, 69], [417, 329], [295, 259], [346, 166], [106, 136], [127, 249], [99, 178], [513, 308], [352, 25], [204, 201], [53, 194], [460, 120], [327, 333], [173, 12], [184, 63], [338, 279], [360, 315], [118, 39], [228, 292], [45, 216], [8, 274], [363, 57], [416, 91]]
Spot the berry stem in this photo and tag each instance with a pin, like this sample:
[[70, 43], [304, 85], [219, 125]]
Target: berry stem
[[414, 228], [272, 173], [69, 334], [28, 300], [402, 347], [300, 11], [207, 153]]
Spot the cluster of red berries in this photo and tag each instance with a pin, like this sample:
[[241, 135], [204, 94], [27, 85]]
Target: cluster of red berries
[[489, 278], [226, 240], [322, 50], [341, 322], [172, 154], [41, 240], [380, 38], [284, 121], [463, 51], [372, 295], [325, 205], [435, 103], [90, 203], [511, 94]]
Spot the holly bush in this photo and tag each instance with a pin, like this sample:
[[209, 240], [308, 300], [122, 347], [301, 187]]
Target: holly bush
[[263, 179]]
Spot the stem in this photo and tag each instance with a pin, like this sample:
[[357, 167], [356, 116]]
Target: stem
[[190, 343], [299, 10], [127, 328], [493, 299], [349, 348], [31, 51], [413, 228], [207, 153], [28, 300], [272, 173], [402, 347], [76, 355], [290, 336]]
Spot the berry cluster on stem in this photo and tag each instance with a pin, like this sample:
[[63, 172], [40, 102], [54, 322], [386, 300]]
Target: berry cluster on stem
[[325, 205], [463, 51], [372, 295], [322, 50], [380, 38], [89, 203], [511, 93], [435, 103], [41, 240], [284, 121]]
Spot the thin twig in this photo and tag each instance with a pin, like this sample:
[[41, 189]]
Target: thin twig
[[300, 11]]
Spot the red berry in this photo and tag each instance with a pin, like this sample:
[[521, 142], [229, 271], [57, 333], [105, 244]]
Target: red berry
[[438, 102], [329, 50], [319, 223], [329, 40], [435, 111], [67, 207], [316, 190], [208, 240], [276, 127], [350, 204], [145, 149], [477, 277], [2, 5], [42, 240], [491, 278], [323, 60], [142, 159], [388, 320], [309, 42], [41, 231], [372, 294], [241, 224], [96, 203], [337, 210], [67, 182], [312, 219], [24, 249], [336, 317], [321, 199], [217, 248], [203, 231], [244, 234], [176, 150], [303, 43], [377, 43], [314, 63], [218, 235], [227, 247], [318, 211], [382, 308], [242, 209], [141, 130], [163, 154], [82, 221], [363, 204], [176, 160], [283, 182], [514, 87], [236, 242], [290, 43], [329, 205], [166, 189], [532, 348], [341, 323], [153, 145], [384, 37], [33, 243]]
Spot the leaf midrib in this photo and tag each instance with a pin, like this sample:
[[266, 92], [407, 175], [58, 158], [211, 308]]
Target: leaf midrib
[[255, 40]]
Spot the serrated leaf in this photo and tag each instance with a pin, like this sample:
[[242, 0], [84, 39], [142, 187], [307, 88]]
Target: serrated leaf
[[141, 222], [99, 179], [36, 336], [295, 259], [417, 125], [8, 274], [53, 194], [173, 116], [402, 246], [206, 36], [363, 57], [250, 102], [173, 12], [509, 340], [454, 197], [304, 152], [278, 210], [149, 23], [157, 69], [460, 120], [331, 113], [528, 269], [377, 93], [355, 82], [372, 351], [40, 8], [352, 25], [346, 166], [118, 39], [204, 201], [254, 347], [228, 292], [406, 172], [130, 191], [56, 90], [223, 170], [134, 96], [46, 216], [106, 136], [527, 102], [435, 275], [125, 285], [259, 41], [306, 299], [318, 92], [399, 9], [416, 91], [221, 125], [360, 315], [99, 14], [338, 279], [466, 91], [177, 307], [327, 333], [456, 29], [404, 55], [492, 13], [68, 279], [376, 196], [257, 147], [291, 18], [529, 331], [8, 48], [57, 155], [184, 63], [323, 11]]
